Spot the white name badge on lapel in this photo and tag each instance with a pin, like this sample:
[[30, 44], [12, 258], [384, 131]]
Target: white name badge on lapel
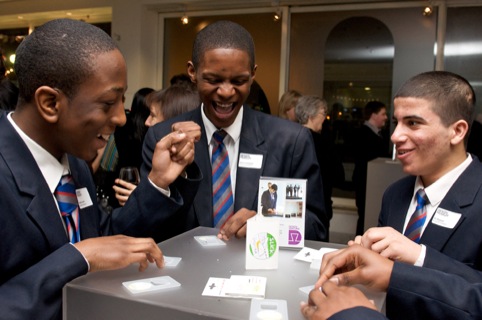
[[83, 198], [251, 161], [446, 218]]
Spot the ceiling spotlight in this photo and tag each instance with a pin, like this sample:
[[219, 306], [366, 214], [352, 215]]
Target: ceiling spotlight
[[184, 20], [277, 15], [427, 11]]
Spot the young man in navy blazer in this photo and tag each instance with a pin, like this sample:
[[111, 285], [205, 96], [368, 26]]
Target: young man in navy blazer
[[223, 68], [72, 80], [433, 112]]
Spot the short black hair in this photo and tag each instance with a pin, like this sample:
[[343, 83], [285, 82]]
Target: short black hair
[[59, 54], [373, 107], [222, 34], [451, 96]]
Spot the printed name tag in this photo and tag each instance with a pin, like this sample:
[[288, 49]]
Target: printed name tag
[[252, 161], [445, 218], [83, 198]]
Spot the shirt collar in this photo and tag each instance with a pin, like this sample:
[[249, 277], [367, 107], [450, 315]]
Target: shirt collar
[[52, 170], [436, 191], [233, 131], [372, 127]]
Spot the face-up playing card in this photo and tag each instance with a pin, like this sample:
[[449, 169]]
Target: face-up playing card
[[171, 261], [209, 241]]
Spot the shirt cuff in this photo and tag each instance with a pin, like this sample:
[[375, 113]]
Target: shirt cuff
[[421, 257], [165, 192]]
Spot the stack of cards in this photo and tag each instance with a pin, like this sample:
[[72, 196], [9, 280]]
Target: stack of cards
[[236, 287], [151, 284]]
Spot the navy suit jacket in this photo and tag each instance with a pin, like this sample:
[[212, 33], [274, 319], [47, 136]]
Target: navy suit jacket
[[287, 150], [424, 293], [464, 241], [36, 257]]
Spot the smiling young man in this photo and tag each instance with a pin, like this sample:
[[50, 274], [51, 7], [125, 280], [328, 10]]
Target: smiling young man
[[223, 68], [72, 80], [433, 112]]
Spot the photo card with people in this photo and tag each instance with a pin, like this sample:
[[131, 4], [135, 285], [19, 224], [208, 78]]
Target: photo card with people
[[284, 199]]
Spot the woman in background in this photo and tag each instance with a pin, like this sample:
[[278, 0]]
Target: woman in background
[[162, 104], [287, 105]]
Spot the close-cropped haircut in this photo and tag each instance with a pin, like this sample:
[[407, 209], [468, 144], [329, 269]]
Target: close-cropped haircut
[[451, 96], [222, 34], [59, 54], [308, 107]]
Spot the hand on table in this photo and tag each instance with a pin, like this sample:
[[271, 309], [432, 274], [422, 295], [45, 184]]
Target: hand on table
[[116, 252], [389, 243], [123, 190], [236, 224], [356, 265], [322, 304]]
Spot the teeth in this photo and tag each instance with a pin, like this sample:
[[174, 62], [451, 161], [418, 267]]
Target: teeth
[[224, 105], [103, 136]]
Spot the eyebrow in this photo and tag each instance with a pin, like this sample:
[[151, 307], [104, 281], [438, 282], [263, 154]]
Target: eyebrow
[[410, 117]]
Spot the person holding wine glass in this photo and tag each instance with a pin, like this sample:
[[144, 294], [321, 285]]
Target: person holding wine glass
[[163, 104]]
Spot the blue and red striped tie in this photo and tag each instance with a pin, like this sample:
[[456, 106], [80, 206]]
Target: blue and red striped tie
[[223, 204], [417, 220], [68, 206]]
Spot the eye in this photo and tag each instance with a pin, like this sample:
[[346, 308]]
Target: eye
[[212, 80], [239, 82]]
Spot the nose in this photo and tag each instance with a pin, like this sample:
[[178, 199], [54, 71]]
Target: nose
[[397, 135], [148, 121], [119, 116], [226, 90]]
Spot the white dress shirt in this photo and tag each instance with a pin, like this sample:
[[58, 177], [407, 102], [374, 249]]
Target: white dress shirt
[[231, 141]]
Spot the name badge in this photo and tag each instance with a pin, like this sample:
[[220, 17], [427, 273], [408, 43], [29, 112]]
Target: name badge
[[445, 218], [83, 198], [252, 161]]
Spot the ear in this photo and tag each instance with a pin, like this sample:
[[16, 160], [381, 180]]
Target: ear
[[47, 100], [191, 71], [460, 130], [253, 72]]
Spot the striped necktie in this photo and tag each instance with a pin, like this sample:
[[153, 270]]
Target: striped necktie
[[222, 192], [417, 220], [68, 206]]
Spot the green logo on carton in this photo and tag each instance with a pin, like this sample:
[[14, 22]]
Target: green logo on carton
[[263, 246]]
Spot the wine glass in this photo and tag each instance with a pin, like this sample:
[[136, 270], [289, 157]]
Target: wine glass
[[130, 174]]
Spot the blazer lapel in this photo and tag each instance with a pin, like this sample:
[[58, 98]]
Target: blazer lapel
[[460, 196], [247, 179], [205, 190], [35, 194], [400, 205]]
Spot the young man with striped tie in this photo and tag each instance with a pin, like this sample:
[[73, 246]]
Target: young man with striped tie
[[238, 145], [72, 80], [429, 242]]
